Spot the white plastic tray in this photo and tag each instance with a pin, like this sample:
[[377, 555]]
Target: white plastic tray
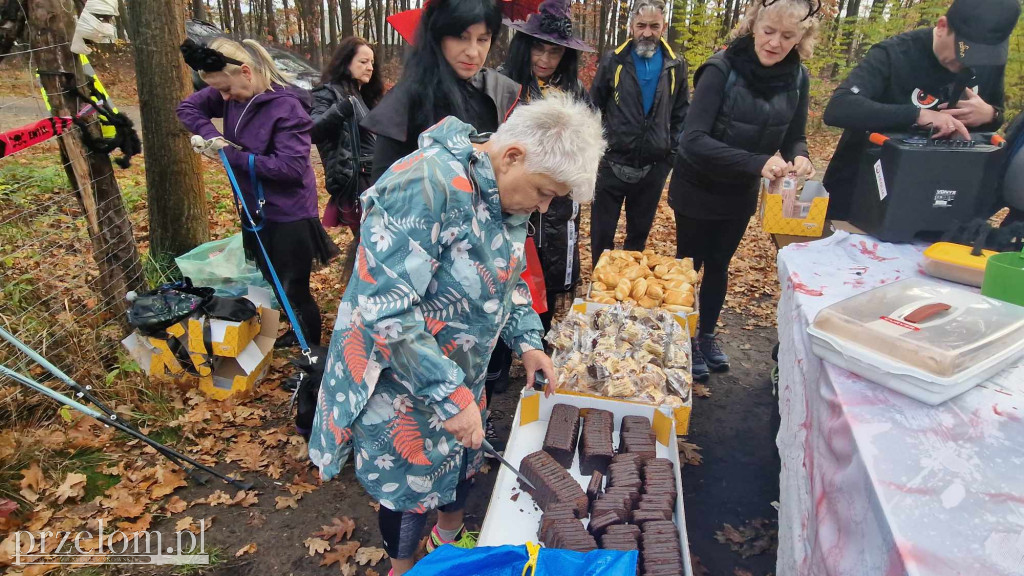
[[904, 379], [516, 522]]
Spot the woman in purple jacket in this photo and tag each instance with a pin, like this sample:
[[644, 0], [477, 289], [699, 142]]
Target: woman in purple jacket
[[268, 120]]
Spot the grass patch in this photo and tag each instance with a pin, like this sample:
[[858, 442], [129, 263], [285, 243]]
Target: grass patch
[[217, 557], [159, 269]]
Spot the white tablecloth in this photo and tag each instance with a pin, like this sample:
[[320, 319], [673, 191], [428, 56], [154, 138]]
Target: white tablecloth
[[873, 482]]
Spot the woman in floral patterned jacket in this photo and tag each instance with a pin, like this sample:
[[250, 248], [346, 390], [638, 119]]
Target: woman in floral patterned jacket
[[437, 282]]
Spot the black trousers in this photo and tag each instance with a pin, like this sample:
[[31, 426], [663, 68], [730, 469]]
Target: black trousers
[[292, 246], [641, 199], [711, 244]]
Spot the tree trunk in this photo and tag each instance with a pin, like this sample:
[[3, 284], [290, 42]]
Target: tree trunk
[[347, 28], [90, 173], [849, 38], [224, 10], [603, 25], [272, 22], [378, 22], [287, 25], [239, 19], [332, 18], [178, 219], [198, 10]]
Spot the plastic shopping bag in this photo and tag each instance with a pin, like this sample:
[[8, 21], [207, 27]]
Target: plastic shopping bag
[[221, 265], [525, 561], [534, 276]]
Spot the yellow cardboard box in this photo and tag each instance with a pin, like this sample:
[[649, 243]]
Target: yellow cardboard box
[[239, 374], [811, 208], [229, 338]]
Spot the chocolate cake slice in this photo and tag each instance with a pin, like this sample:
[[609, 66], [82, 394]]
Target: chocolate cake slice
[[594, 488], [562, 434], [602, 522], [553, 483], [596, 449], [635, 423]]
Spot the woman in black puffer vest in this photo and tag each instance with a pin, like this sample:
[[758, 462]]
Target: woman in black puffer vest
[[749, 102], [351, 87]]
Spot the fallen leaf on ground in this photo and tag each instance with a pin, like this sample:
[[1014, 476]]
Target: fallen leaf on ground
[[282, 502], [339, 529], [216, 499], [247, 549], [369, 555], [372, 572], [183, 524], [316, 545], [73, 487], [245, 498], [348, 569], [32, 478], [690, 453], [698, 568], [167, 481], [175, 505], [341, 553], [256, 519], [375, 506], [140, 525], [701, 390], [7, 507], [753, 538]]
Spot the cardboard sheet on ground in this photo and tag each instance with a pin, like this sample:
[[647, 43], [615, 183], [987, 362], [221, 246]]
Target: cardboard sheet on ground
[[513, 517]]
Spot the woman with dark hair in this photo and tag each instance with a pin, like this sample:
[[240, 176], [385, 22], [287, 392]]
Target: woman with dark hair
[[350, 88], [444, 75], [543, 56]]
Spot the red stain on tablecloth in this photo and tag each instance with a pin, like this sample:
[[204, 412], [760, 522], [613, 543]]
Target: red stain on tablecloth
[[802, 288], [871, 251]]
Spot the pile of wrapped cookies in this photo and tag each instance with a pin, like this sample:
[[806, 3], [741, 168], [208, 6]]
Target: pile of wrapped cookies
[[645, 279], [630, 499], [623, 351]]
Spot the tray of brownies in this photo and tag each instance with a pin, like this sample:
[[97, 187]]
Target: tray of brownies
[[606, 476]]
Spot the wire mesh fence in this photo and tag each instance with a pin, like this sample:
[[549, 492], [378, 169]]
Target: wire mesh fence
[[54, 295]]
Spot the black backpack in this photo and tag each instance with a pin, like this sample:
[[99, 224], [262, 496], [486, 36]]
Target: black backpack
[[155, 311]]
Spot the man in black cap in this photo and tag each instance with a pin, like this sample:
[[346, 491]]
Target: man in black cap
[[948, 78]]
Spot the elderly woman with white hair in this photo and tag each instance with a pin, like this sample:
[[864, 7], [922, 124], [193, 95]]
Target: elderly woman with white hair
[[437, 283], [749, 102]]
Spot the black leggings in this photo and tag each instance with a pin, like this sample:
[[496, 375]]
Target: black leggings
[[402, 531], [291, 247], [711, 244]]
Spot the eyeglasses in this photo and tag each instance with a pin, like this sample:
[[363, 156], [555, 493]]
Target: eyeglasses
[[551, 51], [813, 7]]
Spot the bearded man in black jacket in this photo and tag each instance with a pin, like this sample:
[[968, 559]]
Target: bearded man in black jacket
[[641, 90], [910, 79]]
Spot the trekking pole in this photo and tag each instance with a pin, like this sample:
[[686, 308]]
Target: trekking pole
[[85, 393], [161, 448]]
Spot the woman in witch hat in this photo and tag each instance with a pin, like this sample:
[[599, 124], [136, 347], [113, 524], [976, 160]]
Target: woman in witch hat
[[544, 56]]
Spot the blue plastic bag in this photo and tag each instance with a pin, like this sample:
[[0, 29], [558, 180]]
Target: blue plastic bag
[[511, 560]]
